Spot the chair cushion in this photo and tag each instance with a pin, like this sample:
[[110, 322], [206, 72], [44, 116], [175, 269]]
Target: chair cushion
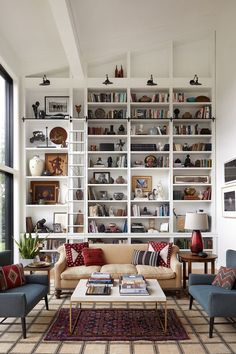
[[116, 270], [93, 256], [74, 253], [81, 272], [225, 278], [145, 258], [164, 249], [155, 272], [11, 276]]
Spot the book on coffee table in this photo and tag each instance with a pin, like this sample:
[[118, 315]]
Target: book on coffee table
[[98, 290]]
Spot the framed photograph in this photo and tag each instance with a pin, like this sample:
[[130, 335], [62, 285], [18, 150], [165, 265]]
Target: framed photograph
[[191, 179], [57, 105], [56, 164], [57, 228], [29, 224], [229, 201], [102, 177], [44, 192], [60, 218], [142, 182], [230, 171]]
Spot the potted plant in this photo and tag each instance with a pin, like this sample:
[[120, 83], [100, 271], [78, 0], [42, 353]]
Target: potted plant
[[29, 247]]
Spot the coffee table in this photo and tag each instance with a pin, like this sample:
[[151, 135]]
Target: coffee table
[[156, 295]]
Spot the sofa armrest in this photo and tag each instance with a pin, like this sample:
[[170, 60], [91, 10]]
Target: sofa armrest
[[222, 304], [37, 279], [59, 267], [12, 304], [200, 279], [176, 266]]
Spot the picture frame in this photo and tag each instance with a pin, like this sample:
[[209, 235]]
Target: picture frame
[[60, 218], [56, 164], [102, 177], [142, 182], [56, 106], [230, 171], [57, 228], [44, 192], [191, 179], [229, 201]]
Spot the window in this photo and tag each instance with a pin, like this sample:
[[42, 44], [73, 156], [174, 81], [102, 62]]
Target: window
[[6, 160]]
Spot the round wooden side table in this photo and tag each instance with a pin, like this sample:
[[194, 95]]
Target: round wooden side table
[[189, 258]]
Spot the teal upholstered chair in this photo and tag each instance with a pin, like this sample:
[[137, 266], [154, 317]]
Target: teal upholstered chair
[[216, 301], [19, 301]]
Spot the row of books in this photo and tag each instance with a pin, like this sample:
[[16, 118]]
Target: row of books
[[107, 97], [156, 97], [93, 227], [194, 147], [190, 129], [133, 285], [149, 113], [204, 112], [185, 243], [108, 114]]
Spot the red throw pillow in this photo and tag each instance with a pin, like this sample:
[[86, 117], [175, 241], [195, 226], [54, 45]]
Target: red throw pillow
[[93, 256], [164, 249], [11, 276], [225, 278], [74, 253]]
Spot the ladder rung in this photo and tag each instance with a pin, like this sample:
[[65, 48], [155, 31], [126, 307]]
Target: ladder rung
[[75, 225], [77, 142], [76, 131], [76, 176]]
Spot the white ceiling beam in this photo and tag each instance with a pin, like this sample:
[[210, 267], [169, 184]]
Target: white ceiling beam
[[62, 13]]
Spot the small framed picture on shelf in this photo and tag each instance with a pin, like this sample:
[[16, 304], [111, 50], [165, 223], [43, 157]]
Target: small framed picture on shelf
[[60, 218], [56, 164], [44, 192], [57, 106], [101, 177], [191, 179], [229, 201], [57, 228], [142, 182]]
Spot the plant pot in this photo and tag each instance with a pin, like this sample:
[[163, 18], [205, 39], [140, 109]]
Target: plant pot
[[26, 261]]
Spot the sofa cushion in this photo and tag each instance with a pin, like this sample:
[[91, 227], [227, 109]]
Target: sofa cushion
[[164, 249], [80, 272], [74, 253], [93, 256], [11, 276], [145, 258], [116, 270], [155, 272], [225, 278]]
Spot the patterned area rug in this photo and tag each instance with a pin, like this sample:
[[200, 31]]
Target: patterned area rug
[[116, 325]]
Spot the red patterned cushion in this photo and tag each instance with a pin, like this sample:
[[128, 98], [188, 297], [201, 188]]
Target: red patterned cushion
[[74, 253], [225, 278], [93, 256], [164, 249], [11, 276]]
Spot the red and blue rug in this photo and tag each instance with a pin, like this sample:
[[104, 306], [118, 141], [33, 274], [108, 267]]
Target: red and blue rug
[[116, 325]]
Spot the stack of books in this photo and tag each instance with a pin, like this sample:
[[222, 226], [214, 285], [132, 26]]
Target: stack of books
[[100, 279], [133, 285]]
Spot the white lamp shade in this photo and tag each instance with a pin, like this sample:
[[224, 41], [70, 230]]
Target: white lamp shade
[[196, 221]]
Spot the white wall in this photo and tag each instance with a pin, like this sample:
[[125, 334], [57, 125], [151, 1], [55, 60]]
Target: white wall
[[225, 117]]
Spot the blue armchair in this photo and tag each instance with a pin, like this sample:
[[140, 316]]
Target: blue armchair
[[216, 301], [19, 301]]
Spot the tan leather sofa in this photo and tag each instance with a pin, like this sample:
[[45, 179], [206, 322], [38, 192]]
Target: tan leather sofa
[[118, 261]]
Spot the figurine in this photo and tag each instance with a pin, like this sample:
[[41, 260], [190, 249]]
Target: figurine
[[120, 145], [99, 162], [121, 129], [158, 193], [176, 112], [111, 131], [109, 161], [40, 227], [78, 108], [35, 108], [37, 136], [187, 162]]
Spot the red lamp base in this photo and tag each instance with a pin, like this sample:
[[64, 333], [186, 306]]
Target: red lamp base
[[196, 242]]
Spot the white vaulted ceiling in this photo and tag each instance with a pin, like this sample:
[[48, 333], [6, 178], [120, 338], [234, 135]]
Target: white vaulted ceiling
[[52, 35]]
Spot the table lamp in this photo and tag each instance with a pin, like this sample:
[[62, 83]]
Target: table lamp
[[196, 222]]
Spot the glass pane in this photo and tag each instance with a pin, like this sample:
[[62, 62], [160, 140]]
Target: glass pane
[[2, 211], [2, 119]]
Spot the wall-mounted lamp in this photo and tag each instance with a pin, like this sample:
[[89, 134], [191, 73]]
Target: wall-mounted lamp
[[107, 81], [150, 82], [194, 81], [45, 82]]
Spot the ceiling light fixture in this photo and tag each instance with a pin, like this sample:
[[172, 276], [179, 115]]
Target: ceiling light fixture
[[107, 81], [45, 82], [194, 81], [150, 82]]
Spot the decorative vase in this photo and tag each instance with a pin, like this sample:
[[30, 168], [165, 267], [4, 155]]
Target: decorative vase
[[36, 166], [120, 180], [196, 242]]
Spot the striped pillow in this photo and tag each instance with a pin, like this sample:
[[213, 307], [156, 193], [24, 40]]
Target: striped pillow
[[225, 278], [145, 258]]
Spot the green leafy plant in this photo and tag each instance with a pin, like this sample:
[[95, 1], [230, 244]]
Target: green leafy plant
[[29, 246]]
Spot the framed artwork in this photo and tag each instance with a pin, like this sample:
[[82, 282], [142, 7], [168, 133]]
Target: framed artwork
[[191, 179], [230, 171], [101, 177], [44, 192], [57, 105], [142, 182], [60, 218], [57, 228], [229, 201], [56, 164]]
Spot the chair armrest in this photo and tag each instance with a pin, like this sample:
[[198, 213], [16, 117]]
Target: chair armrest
[[222, 304], [37, 279], [12, 304], [59, 267], [200, 279]]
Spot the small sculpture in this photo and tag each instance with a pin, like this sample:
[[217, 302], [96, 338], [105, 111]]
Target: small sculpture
[[40, 227], [111, 131], [187, 162], [121, 129], [109, 161], [35, 108], [99, 162], [37, 136], [194, 81], [158, 193], [176, 113], [78, 108], [45, 82], [120, 145]]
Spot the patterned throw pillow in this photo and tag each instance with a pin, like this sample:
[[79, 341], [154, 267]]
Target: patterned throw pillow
[[11, 276], [93, 256], [164, 249], [225, 278], [145, 258], [74, 253]]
